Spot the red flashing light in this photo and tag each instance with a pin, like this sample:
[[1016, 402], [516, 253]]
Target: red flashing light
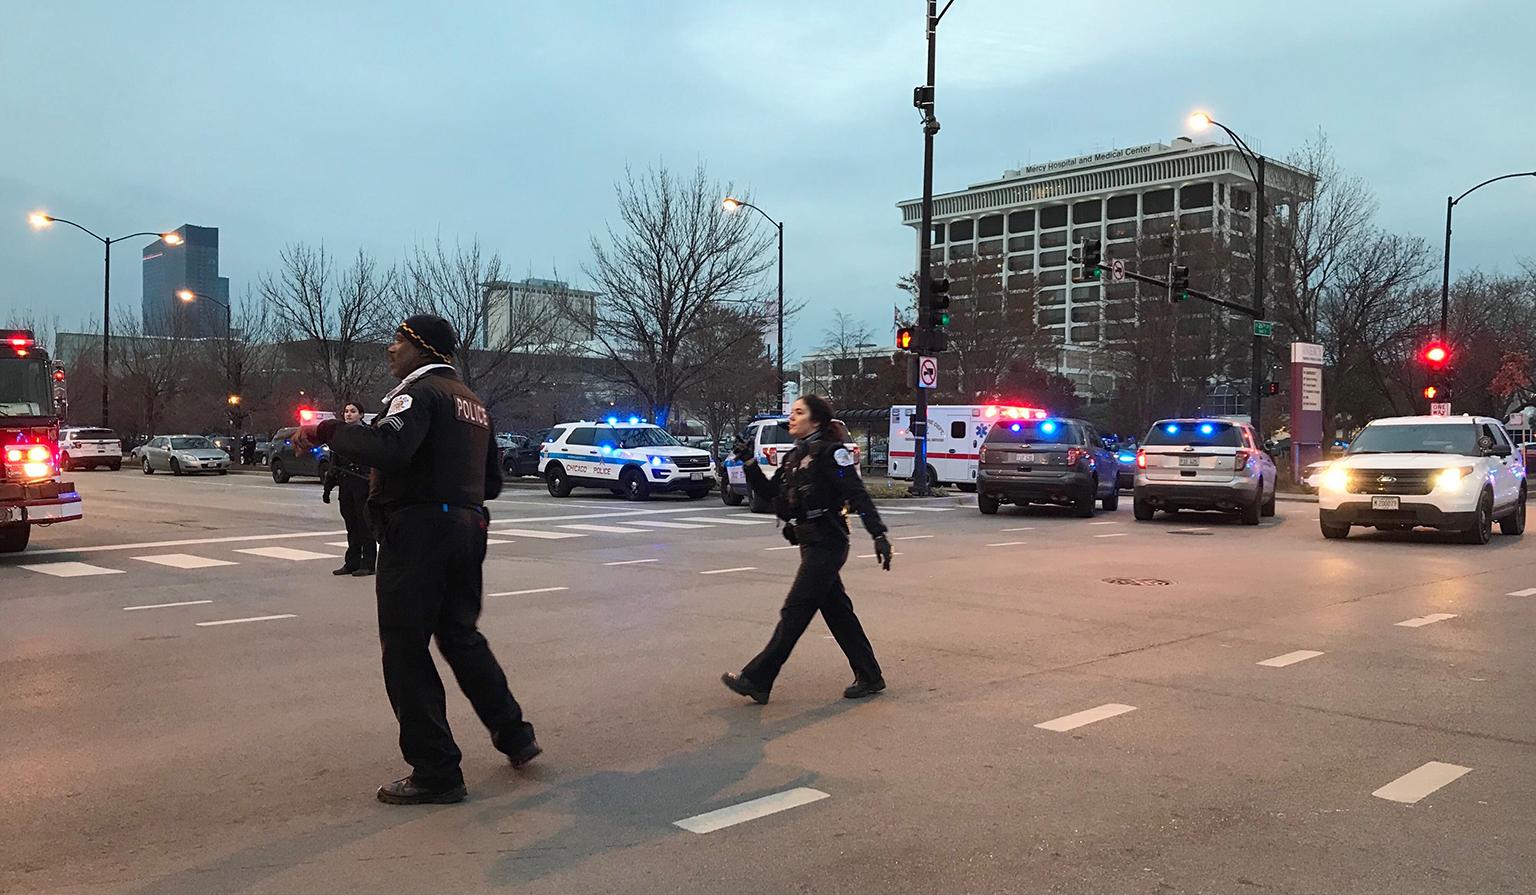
[[19, 341], [306, 415], [1436, 354], [58, 375]]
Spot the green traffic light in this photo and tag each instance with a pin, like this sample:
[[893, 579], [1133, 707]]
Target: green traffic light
[[943, 318]]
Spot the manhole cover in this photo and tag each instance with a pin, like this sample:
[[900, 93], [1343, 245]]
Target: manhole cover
[[1138, 582]]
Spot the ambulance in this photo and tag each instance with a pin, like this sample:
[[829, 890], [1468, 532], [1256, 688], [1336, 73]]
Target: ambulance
[[955, 434]]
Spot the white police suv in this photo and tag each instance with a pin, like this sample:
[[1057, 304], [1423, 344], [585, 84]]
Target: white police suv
[[1454, 473], [632, 458]]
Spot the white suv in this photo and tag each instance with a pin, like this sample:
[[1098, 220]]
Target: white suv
[[90, 448], [633, 459], [1454, 473], [1203, 464]]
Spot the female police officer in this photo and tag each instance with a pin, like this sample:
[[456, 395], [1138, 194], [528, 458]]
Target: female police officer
[[809, 490]]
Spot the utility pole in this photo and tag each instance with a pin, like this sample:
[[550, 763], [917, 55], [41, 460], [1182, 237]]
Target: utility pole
[[923, 99], [1259, 270]]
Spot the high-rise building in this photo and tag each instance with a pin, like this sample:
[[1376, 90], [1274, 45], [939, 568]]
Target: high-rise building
[[192, 264], [536, 315], [1148, 203]]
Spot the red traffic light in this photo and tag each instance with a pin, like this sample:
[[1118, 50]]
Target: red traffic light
[[58, 375], [905, 338], [1436, 354]]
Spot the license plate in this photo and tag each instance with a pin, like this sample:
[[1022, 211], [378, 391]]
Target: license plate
[[1386, 503], [1189, 461], [1026, 459], [696, 476], [11, 514]]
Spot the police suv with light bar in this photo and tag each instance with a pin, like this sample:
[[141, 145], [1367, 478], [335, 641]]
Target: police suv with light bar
[[628, 457]]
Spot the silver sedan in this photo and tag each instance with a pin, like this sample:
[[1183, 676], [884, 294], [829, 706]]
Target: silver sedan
[[182, 455]]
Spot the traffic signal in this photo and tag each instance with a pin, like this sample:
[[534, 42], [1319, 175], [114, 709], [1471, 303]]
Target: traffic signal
[[58, 374], [938, 313], [1431, 392], [1091, 255], [1178, 282], [906, 339], [1272, 388], [1436, 355]]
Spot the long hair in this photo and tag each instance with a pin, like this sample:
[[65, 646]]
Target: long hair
[[346, 404], [819, 408]]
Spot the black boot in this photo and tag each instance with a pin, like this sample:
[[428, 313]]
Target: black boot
[[344, 570], [526, 754], [405, 792], [738, 684], [861, 688]]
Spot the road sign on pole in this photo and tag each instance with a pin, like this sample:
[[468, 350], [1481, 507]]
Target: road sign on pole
[[1264, 328], [927, 372], [1117, 271], [1440, 409]]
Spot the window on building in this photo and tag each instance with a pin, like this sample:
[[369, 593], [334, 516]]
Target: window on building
[[1082, 294], [1121, 230], [1021, 222], [1196, 220], [989, 247], [1018, 263], [992, 225], [1087, 333], [1053, 316], [1021, 243], [1120, 310], [1087, 212], [1157, 202], [1055, 216], [1051, 297], [960, 231], [1057, 277], [1053, 259], [1082, 233], [1196, 195], [938, 234], [1053, 239], [1242, 200], [1085, 313], [960, 250], [1122, 290], [1122, 207]]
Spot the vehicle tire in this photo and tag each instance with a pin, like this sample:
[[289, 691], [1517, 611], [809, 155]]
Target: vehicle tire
[[1481, 531], [64, 463], [176, 467], [223, 472], [1514, 523], [1334, 532], [1268, 510], [760, 504], [556, 480], [1254, 511], [148, 470], [729, 497], [115, 465], [1082, 504], [1144, 511], [697, 494], [987, 503], [635, 486], [1111, 502], [967, 487], [279, 474], [933, 477], [13, 538]]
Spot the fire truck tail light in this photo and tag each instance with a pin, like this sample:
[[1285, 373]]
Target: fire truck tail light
[[13, 456], [37, 470], [39, 454]]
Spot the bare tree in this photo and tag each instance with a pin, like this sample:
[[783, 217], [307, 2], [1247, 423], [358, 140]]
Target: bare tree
[[245, 363], [338, 316], [724, 401], [151, 371], [838, 369], [675, 258]]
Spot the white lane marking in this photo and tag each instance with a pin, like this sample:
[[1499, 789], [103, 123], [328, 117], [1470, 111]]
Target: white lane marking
[[1292, 658], [728, 521], [711, 821], [491, 542], [661, 523], [1025, 528], [1425, 620], [183, 561], [933, 509], [873, 555], [788, 547], [630, 562], [606, 529], [1103, 523], [1528, 592], [724, 571], [1008, 544], [1420, 782], [1181, 530], [913, 537], [532, 590], [895, 512], [288, 553], [70, 569], [167, 605], [541, 535], [1116, 535], [1088, 716], [241, 621], [337, 544]]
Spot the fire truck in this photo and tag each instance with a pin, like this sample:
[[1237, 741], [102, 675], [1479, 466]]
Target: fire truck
[[32, 491]]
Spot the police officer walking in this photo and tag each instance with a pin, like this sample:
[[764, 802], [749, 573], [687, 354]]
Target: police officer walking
[[351, 479], [809, 490], [434, 466]]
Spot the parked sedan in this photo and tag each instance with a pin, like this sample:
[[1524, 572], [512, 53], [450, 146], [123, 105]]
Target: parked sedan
[[519, 455], [182, 455]]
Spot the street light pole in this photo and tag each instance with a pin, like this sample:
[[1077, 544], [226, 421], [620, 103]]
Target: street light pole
[[732, 204], [1445, 257], [40, 220], [924, 100]]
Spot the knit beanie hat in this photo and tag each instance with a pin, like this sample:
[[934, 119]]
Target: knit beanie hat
[[432, 334]]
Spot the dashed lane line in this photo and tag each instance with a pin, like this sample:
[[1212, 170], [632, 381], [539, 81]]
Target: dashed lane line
[[662, 523], [1008, 544], [728, 521], [538, 535], [1025, 528], [726, 571], [711, 821], [913, 537], [1085, 717], [531, 590], [1120, 534], [167, 605], [631, 562], [1423, 620], [1291, 658], [1528, 592], [241, 621], [1420, 782]]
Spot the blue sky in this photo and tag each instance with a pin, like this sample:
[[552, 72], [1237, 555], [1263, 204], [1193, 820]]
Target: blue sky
[[376, 124]]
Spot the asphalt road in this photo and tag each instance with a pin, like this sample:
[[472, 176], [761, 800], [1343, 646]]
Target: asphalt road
[[1083, 706]]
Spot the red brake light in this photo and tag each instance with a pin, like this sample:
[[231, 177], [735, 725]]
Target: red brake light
[[1241, 458], [1075, 456], [19, 342], [1141, 459]]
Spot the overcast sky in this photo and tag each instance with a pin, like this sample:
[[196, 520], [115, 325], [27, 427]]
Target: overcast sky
[[376, 124]]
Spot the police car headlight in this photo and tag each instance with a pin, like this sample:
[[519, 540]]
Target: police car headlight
[[657, 461], [1336, 478]]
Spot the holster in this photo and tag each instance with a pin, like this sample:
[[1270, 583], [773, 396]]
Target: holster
[[790, 534]]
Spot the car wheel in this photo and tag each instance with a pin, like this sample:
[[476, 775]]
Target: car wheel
[[1481, 531], [1514, 523], [967, 487], [1111, 501], [1142, 509], [13, 538], [64, 463], [728, 495], [635, 487], [697, 494], [556, 480], [1269, 506], [279, 473], [175, 467], [1082, 504], [115, 465], [1253, 511], [987, 503], [1334, 532], [148, 470]]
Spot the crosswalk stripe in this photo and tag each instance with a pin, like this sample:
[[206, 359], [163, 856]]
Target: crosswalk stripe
[[655, 523], [724, 571], [70, 569], [727, 520], [726, 817], [1425, 620], [606, 529], [1420, 782], [1291, 658], [1528, 592], [183, 561], [1088, 716], [540, 535], [167, 605], [289, 553], [532, 590], [241, 621]]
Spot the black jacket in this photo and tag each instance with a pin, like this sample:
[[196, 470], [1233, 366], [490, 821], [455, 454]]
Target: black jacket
[[433, 445], [814, 481]]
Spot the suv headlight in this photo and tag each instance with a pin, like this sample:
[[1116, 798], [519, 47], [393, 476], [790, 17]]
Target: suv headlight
[[1336, 478], [1450, 479], [656, 461]]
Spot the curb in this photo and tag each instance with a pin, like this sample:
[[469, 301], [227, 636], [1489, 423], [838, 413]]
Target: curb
[[1296, 498]]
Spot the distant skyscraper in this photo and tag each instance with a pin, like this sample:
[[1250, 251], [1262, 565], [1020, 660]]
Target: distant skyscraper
[[194, 265]]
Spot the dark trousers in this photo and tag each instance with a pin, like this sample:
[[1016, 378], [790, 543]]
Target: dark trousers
[[362, 550], [817, 587], [429, 586]]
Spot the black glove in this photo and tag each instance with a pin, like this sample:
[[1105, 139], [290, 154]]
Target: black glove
[[883, 552], [790, 534], [325, 496], [741, 450]]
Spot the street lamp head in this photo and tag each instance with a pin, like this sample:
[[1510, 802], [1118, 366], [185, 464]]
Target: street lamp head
[[171, 239], [39, 220], [234, 400], [1199, 121], [731, 204], [186, 294]]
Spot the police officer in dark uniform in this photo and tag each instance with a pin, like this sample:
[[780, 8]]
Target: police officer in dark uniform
[[434, 465], [809, 490], [351, 479]]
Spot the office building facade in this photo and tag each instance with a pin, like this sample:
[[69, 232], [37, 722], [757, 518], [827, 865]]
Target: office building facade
[[192, 264], [538, 315]]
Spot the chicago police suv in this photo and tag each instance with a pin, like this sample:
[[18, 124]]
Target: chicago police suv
[[633, 458]]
